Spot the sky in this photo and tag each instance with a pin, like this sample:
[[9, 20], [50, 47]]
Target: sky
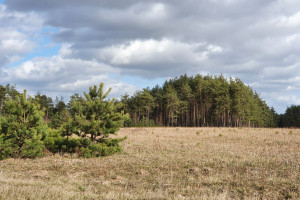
[[59, 48]]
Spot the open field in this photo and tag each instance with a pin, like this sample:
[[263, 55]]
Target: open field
[[168, 163]]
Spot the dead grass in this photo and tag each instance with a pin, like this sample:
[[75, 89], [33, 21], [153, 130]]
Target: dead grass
[[168, 163]]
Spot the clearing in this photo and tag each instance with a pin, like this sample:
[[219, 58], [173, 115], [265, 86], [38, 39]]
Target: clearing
[[168, 163]]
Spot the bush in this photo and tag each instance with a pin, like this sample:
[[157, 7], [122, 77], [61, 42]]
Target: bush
[[7, 148], [55, 143], [59, 144], [33, 148], [99, 149]]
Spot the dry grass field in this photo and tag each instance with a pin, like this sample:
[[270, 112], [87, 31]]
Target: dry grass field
[[168, 163]]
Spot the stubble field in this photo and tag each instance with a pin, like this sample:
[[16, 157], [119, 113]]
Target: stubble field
[[168, 163]]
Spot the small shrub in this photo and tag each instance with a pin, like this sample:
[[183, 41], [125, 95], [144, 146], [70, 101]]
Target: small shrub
[[8, 149], [99, 149], [83, 146], [33, 148]]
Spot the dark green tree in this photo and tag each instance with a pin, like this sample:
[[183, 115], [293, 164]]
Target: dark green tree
[[172, 105], [291, 117], [46, 103]]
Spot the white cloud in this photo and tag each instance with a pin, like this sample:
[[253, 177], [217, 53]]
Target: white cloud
[[257, 41], [63, 76], [292, 99], [164, 52], [289, 21], [16, 33]]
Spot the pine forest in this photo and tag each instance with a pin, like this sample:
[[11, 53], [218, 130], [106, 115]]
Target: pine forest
[[199, 101]]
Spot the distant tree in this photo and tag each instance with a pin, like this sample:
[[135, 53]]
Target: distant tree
[[46, 103], [147, 102], [185, 95], [291, 117], [59, 105], [2, 98], [158, 105], [11, 91], [68, 125], [276, 118], [172, 104]]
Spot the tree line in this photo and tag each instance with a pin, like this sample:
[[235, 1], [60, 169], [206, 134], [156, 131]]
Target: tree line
[[202, 101]]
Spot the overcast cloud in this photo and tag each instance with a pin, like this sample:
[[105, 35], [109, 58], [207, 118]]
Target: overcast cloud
[[104, 40]]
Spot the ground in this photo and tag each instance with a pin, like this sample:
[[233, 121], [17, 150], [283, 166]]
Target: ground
[[168, 163]]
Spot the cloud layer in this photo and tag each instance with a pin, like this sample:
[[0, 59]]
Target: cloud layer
[[257, 41]]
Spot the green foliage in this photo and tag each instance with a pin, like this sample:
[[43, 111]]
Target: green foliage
[[291, 117], [55, 143], [46, 104], [32, 148], [7, 148], [99, 149], [22, 128], [91, 117], [199, 101], [95, 116], [129, 123], [105, 147], [24, 132]]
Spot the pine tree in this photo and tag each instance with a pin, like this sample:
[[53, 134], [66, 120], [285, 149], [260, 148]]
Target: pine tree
[[22, 128], [95, 116], [291, 117], [46, 103], [172, 104]]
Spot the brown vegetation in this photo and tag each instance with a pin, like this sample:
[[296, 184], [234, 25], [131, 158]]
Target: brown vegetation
[[168, 163]]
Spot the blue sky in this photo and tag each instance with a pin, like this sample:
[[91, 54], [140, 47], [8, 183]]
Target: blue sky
[[58, 49]]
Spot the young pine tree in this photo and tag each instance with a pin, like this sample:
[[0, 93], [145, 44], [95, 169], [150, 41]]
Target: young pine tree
[[95, 116], [22, 128]]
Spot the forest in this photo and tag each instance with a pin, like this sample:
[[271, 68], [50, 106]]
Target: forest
[[33, 126], [204, 101]]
